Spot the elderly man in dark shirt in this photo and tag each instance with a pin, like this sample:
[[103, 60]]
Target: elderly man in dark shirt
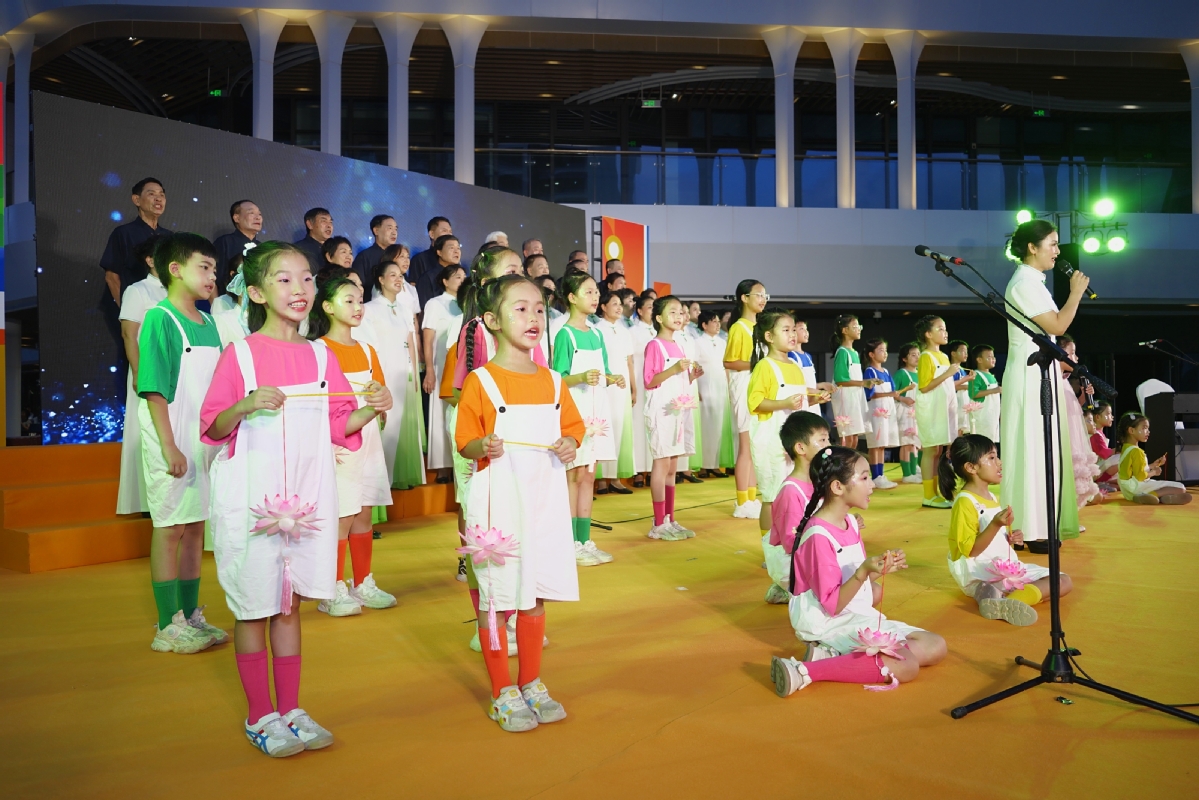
[[426, 263], [247, 223], [385, 231], [319, 223], [118, 262]]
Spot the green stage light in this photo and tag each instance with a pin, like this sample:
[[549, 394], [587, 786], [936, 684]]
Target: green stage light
[[1104, 208], [1116, 242], [1023, 216], [1090, 243]]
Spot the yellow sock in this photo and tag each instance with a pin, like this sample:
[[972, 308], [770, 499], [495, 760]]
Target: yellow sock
[[742, 498], [753, 492], [930, 489], [1029, 594]]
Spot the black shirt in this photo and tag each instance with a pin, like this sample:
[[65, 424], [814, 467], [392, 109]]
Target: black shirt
[[364, 265], [312, 249], [118, 254], [228, 246], [424, 264]]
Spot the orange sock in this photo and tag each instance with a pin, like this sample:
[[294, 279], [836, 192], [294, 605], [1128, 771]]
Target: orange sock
[[341, 558], [361, 545], [496, 660], [530, 636]]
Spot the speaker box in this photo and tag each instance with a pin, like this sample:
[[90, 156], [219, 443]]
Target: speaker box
[[1160, 410]]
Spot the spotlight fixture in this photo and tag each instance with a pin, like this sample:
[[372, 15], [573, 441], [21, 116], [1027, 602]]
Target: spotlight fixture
[[1104, 207], [1023, 215], [1116, 242], [1091, 241]]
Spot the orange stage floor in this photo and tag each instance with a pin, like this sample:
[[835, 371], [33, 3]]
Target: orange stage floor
[[663, 668]]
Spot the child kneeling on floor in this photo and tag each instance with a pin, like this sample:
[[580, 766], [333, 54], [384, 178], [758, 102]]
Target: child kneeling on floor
[[979, 540], [835, 594]]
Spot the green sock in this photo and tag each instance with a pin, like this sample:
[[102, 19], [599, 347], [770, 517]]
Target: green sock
[[166, 598], [574, 528], [916, 463], [906, 467], [583, 532], [189, 595]]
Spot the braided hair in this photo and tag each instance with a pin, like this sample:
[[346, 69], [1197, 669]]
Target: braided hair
[[483, 270], [968, 448], [764, 325], [833, 463]]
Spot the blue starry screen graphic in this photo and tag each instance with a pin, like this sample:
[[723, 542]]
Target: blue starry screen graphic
[[87, 158]]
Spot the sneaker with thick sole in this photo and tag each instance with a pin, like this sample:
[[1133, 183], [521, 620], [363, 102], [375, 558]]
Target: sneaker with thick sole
[[272, 736], [665, 532], [912, 479], [1174, 499], [370, 595], [180, 637], [819, 652], [881, 482], [686, 533], [788, 675], [1016, 612], [197, 621], [776, 595], [342, 604], [937, 502], [477, 646], [603, 556], [745, 511], [585, 558], [307, 730], [461, 574], [512, 712], [538, 699]]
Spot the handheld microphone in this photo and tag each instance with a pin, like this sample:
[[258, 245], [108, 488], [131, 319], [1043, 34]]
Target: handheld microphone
[[921, 250], [1066, 268], [1148, 343]]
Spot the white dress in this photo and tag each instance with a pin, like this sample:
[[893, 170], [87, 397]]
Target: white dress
[[849, 402], [1021, 423], [361, 474], [444, 318], [714, 412], [138, 298], [618, 341], [388, 328], [985, 420], [884, 418], [937, 411], [969, 571], [669, 433], [641, 333]]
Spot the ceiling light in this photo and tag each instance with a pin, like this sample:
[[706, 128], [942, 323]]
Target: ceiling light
[[303, 89], [1058, 77], [411, 91], [553, 62], [1130, 107], [545, 94], [674, 96], [945, 74], [54, 80], [697, 66]]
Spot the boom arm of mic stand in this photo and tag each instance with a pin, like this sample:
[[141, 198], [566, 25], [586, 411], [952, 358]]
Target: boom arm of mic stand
[[1174, 356]]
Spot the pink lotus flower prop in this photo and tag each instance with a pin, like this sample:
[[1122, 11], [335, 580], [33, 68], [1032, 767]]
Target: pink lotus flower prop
[[491, 546], [1011, 575], [882, 413], [874, 643], [841, 420], [596, 426], [683, 402], [290, 518], [972, 406], [912, 432]]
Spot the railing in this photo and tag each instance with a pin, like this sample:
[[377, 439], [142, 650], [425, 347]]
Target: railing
[[729, 178]]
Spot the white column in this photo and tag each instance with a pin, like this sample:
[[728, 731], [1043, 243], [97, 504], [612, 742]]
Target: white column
[[464, 35], [845, 45], [398, 32], [1190, 54], [783, 44], [905, 51], [22, 51], [331, 32], [262, 30]]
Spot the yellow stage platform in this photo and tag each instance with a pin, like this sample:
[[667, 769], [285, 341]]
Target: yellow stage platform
[[663, 668]]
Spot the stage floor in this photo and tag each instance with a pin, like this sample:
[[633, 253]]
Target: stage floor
[[663, 668]]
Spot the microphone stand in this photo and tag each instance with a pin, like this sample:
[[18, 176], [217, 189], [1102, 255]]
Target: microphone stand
[[1179, 356], [1057, 667]]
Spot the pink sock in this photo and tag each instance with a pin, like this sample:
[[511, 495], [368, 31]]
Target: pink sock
[[287, 682], [659, 512], [251, 668], [670, 499], [851, 668]]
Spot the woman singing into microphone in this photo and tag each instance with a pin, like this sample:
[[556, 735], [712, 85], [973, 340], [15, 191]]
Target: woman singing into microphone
[[1035, 245]]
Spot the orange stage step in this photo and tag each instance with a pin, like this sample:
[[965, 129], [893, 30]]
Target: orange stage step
[[57, 508]]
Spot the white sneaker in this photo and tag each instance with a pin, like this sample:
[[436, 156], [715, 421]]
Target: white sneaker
[[584, 558], [538, 699], [197, 621], [477, 646], [604, 557], [306, 730], [819, 652], [665, 532], [512, 712], [272, 736], [370, 595], [745, 510], [789, 675], [461, 574], [881, 482], [936, 502], [686, 533], [180, 637], [342, 604], [777, 595], [757, 504], [912, 479]]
